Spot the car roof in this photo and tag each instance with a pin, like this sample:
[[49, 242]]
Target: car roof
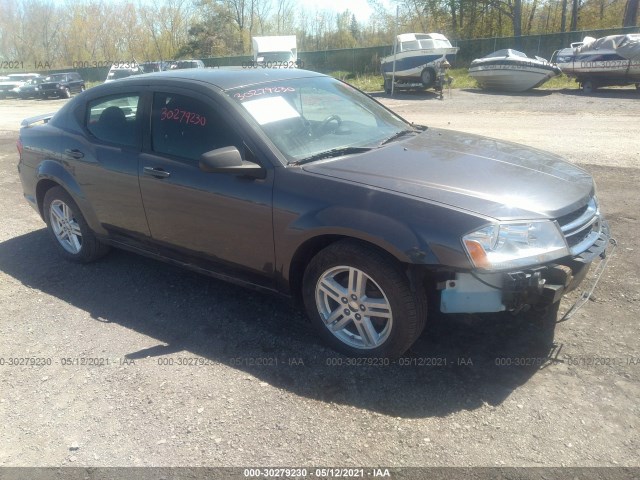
[[226, 78], [31, 75]]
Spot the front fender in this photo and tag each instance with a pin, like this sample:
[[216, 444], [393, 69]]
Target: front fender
[[387, 233]]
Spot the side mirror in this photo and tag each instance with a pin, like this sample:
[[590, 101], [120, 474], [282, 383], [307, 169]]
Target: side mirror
[[228, 160]]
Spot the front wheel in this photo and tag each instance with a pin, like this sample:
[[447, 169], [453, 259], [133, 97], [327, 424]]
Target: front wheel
[[360, 301], [71, 234]]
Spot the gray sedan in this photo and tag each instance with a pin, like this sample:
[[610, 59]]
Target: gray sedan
[[293, 182]]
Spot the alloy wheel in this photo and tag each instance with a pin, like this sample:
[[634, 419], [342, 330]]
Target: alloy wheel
[[353, 307], [65, 226]]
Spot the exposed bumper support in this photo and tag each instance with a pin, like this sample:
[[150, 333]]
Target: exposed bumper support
[[538, 287]]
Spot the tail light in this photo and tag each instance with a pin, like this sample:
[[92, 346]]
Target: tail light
[[19, 147]]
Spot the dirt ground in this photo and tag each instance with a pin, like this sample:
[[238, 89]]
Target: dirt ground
[[131, 362]]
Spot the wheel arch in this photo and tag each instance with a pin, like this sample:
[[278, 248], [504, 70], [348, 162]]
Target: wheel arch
[[51, 174], [312, 246], [42, 188]]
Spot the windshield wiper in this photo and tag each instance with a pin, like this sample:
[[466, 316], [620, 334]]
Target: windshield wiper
[[398, 135], [335, 152]]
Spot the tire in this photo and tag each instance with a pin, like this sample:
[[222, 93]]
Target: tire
[[339, 312], [66, 93], [69, 230], [589, 86], [428, 77]]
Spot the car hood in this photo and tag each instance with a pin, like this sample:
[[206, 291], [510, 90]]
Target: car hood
[[502, 180]]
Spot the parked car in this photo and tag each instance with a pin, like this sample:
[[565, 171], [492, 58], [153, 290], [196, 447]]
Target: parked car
[[159, 66], [30, 89], [293, 182], [180, 64], [9, 87], [123, 70], [62, 85]]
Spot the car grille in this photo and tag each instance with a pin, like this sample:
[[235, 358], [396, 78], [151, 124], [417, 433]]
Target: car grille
[[582, 227]]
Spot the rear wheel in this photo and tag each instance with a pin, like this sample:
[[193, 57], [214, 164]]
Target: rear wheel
[[360, 301], [68, 228]]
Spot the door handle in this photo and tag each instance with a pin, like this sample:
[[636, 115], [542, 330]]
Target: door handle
[[75, 153], [156, 172]]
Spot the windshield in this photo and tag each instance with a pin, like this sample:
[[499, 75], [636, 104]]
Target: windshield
[[56, 78], [308, 116], [20, 78]]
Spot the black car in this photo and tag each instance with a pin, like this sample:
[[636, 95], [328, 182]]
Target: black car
[[30, 89], [291, 181], [182, 64], [62, 85]]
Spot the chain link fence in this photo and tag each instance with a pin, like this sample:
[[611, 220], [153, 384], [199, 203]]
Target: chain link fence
[[541, 45], [367, 60]]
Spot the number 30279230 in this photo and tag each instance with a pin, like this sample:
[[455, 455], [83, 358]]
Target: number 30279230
[[182, 116]]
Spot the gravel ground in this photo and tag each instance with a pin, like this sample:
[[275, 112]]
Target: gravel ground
[[143, 364]]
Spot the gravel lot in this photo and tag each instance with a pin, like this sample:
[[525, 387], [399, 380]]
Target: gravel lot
[[149, 365]]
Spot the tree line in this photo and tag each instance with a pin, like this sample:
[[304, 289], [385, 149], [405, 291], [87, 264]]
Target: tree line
[[55, 34]]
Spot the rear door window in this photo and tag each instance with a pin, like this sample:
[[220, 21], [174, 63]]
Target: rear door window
[[115, 119]]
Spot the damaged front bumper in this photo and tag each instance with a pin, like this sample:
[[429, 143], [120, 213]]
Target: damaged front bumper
[[472, 292]]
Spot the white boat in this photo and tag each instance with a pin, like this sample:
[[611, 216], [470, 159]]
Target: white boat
[[511, 71], [606, 61], [418, 57]]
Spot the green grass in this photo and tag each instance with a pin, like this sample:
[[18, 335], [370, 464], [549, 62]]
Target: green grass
[[460, 76], [559, 82]]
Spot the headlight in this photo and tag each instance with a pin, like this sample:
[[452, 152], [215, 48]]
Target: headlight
[[515, 245]]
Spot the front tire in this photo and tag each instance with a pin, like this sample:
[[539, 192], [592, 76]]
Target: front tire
[[360, 301], [68, 228]]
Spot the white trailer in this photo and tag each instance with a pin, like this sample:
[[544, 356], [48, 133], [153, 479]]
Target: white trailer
[[275, 51]]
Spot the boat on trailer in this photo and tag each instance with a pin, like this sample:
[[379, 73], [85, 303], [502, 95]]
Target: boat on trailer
[[511, 71], [608, 61], [419, 59]]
